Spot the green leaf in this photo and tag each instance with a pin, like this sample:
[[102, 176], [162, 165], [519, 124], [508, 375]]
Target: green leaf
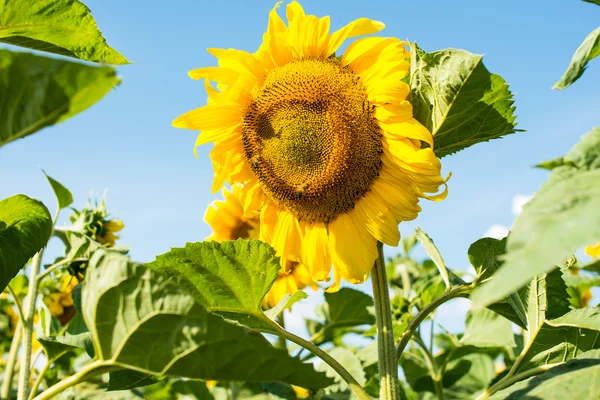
[[485, 328], [576, 379], [36, 91], [553, 345], [142, 320], [126, 379], [485, 257], [229, 278], [587, 51], [352, 364], [63, 27], [549, 228], [343, 309], [56, 346], [433, 252], [79, 245], [585, 318], [25, 227], [593, 1], [458, 100], [63, 195], [286, 302], [468, 375]]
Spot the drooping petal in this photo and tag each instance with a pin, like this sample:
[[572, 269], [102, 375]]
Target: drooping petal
[[353, 249], [372, 211], [315, 251], [287, 237]]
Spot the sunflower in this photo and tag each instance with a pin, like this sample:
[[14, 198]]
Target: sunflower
[[593, 251], [228, 221], [326, 146], [226, 218], [60, 303], [107, 235]]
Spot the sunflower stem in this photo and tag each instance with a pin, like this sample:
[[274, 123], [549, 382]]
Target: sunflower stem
[[388, 361], [281, 342], [28, 327]]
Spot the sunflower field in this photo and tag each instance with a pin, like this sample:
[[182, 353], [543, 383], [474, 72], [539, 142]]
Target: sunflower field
[[322, 142]]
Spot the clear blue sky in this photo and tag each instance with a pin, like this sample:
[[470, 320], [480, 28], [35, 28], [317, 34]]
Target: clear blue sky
[[126, 144]]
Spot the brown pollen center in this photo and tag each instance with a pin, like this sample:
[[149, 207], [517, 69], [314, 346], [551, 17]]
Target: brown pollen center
[[311, 138]]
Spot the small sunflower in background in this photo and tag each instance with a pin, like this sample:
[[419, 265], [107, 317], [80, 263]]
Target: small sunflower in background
[[58, 297], [95, 222], [228, 221], [325, 144], [593, 250]]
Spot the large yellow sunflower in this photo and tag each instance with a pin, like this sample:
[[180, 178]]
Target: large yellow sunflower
[[229, 222], [326, 147]]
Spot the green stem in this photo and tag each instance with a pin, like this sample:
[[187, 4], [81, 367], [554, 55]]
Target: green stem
[[281, 342], [17, 302], [388, 361], [28, 327], [11, 361], [58, 264], [337, 367], [454, 292], [92, 369], [504, 383], [436, 374], [39, 379]]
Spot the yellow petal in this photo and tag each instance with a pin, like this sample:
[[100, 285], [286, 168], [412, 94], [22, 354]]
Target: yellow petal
[[286, 237], [410, 129], [353, 249], [395, 112], [217, 116], [593, 251], [216, 74], [315, 251], [361, 26], [373, 212]]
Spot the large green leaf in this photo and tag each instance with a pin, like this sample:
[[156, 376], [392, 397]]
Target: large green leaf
[[585, 318], [587, 51], [36, 91], [562, 217], [576, 379], [141, 320], [468, 375], [551, 345], [25, 227], [486, 328], [63, 27], [229, 278], [342, 310], [458, 100]]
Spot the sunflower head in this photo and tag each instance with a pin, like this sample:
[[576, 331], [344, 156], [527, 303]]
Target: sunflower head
[[59, 300], [324, 144], [94, 221], [227, 219]]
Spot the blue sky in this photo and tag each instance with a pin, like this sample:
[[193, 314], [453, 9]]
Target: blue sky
[[126, 145]]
